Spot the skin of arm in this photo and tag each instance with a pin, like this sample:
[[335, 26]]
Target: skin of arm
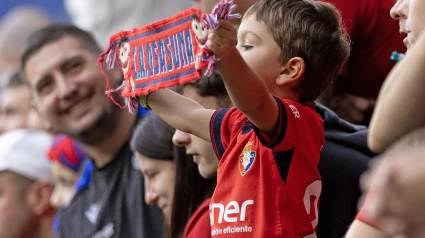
[[361, 229], [181, 113], [246, 88], [400, 103]]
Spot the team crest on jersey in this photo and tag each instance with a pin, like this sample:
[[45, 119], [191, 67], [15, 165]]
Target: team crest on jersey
[[247, 158]]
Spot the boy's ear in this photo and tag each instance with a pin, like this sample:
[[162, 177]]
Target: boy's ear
[[292, 71]]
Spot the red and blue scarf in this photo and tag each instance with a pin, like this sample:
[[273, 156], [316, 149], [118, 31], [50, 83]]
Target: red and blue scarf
[[164, 54]]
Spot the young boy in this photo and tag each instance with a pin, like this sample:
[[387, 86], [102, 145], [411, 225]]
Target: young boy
[[288, 52]]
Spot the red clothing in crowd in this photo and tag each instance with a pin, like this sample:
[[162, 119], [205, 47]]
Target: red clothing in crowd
[[375, 35], [198, 225]]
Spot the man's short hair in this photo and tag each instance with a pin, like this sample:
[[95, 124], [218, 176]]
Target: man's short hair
[[15, 27], [311, 30], [210, 86], [53, 33]]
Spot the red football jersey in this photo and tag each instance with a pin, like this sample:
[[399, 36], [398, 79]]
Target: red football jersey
[[267, 186]]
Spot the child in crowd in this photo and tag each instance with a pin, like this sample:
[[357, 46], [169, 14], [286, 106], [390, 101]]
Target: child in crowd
[[68, 161], [269, 145]]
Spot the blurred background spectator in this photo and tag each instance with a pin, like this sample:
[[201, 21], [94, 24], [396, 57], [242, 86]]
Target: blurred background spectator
[[15, 27], [19, 19], [14, 101], [68, 160], [112, 16], [16, 108], [54, 7]]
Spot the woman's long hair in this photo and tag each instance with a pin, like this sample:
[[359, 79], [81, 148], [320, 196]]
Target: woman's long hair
[[190, 190]]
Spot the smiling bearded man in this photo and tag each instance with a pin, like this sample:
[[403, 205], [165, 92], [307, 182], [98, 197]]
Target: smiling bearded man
[[60, 65]]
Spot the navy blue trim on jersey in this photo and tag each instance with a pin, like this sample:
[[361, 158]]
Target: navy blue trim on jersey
[[215, 126], [283, 123], [246, 127], [280, 129], [310, 104], [283, 161]]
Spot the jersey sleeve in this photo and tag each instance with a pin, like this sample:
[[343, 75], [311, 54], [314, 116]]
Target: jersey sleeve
[[294, 122], [221, 125]]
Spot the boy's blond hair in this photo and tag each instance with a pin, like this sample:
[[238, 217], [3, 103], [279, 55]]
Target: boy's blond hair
[[311, 30]]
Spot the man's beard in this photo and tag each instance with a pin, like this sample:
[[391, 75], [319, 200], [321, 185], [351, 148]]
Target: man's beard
[[100, 129]]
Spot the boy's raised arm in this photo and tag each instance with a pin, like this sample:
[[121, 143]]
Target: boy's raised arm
[[181, 113], [246, 89]]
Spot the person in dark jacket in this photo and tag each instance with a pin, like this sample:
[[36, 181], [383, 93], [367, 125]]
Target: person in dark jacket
[[343, 159]]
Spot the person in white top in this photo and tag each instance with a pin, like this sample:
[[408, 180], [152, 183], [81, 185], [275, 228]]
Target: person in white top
[[104, 18]]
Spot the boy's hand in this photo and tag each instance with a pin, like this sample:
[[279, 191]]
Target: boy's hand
[[222, 41]]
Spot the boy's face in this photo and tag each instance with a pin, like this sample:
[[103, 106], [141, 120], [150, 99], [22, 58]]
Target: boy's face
[[201, 150], [411, 16], [260, 51]]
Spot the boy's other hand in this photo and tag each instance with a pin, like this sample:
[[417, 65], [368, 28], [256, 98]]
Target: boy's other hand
[[222, 41]]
